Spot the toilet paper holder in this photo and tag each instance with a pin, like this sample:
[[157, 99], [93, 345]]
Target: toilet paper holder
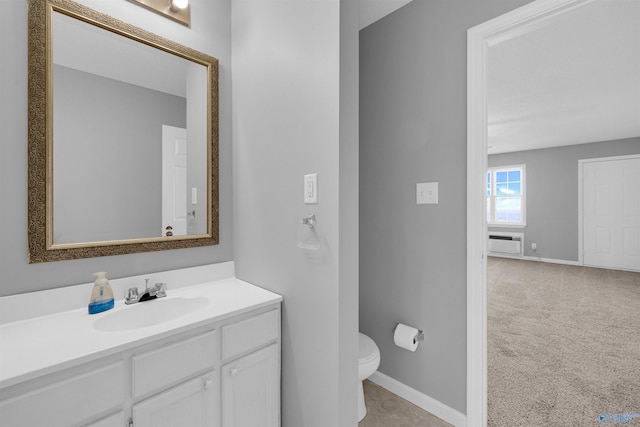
[[420, 336]]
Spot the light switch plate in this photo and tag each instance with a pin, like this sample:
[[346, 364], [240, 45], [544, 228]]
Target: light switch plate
[[426, 193], [311, 188]]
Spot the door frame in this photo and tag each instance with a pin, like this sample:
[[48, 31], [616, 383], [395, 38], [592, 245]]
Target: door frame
[[581, 163], [479, 38]]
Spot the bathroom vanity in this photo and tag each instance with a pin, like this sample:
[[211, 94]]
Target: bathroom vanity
[[208, 354]]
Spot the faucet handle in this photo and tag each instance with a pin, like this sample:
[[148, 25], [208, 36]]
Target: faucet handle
[[132, 296], [161, 290]]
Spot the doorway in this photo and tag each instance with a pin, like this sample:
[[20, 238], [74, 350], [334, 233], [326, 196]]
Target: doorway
[[480, 39]]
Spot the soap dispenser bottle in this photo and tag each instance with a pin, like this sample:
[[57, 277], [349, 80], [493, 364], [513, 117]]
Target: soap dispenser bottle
[[101, 295]]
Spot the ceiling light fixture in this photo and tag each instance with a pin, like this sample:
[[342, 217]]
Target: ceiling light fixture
[[178, 10], [178, 4]]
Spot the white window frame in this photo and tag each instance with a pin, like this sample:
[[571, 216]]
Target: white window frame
[[491, 203]]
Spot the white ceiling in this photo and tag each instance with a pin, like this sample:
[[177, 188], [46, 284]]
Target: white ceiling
[[76, 47], [94, 50], [373, 10], [575, 80]]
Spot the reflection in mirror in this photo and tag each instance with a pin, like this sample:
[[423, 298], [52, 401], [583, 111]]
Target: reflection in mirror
[[124, 158], [127, 137]]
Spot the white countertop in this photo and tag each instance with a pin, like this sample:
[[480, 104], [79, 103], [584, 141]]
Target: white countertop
[[40, 345]]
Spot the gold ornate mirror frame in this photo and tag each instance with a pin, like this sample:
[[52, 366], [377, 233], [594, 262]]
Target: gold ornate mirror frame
[[40, 135]]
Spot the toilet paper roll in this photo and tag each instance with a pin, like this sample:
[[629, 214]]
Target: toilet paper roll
[[406, 337]]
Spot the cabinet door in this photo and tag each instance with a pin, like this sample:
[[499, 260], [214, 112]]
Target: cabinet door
[[190, 404], [251, 390]]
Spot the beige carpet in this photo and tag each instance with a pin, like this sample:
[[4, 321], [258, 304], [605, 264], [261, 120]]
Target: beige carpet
[[563, 344]]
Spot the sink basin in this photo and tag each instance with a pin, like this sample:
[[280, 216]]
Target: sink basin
[[149, 313]]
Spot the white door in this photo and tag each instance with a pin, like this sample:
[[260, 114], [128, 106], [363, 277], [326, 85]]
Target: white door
[[191, 404], [611, 212], [251, 390], [174, 180]]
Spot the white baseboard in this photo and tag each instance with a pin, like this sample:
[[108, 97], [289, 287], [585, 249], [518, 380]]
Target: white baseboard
[[538, 259], [553, 261], [557, 261], [419, 399]]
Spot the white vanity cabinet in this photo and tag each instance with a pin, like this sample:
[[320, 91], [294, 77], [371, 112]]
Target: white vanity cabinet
[[114, 420], [194, 404], [250, 388], [71, 397], [161, 374], [251, 373], [225, 373]]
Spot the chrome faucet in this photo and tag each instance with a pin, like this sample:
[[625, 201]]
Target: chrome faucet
[[157, 291]]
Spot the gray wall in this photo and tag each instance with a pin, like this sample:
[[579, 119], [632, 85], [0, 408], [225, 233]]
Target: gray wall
[[209, 33], [552, 194], [295, 113], [413, 129], [106, 167]]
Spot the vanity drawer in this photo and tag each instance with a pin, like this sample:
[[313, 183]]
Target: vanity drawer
[[251, 333], [166, 366], [57, 404]]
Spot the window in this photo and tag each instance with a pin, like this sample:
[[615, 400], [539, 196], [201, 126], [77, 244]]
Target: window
[[506, 196]]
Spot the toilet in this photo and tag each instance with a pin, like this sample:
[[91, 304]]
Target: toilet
[[368, 362]]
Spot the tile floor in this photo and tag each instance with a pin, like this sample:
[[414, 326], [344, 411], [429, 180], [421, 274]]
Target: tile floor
[[385, 409]]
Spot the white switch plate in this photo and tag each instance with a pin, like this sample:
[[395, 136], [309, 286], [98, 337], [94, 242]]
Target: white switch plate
[[311, 188], [426, 193], [194, 196]]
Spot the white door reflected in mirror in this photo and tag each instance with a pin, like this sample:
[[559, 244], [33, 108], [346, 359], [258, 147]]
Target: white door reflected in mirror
[[174, 180]]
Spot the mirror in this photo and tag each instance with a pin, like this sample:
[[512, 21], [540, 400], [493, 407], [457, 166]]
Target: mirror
[[123, 137]]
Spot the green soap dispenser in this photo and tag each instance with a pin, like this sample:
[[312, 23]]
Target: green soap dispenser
[[101, 295]]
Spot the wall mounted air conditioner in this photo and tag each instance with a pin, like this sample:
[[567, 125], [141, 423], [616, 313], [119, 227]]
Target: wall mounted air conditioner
[[506, 243]]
